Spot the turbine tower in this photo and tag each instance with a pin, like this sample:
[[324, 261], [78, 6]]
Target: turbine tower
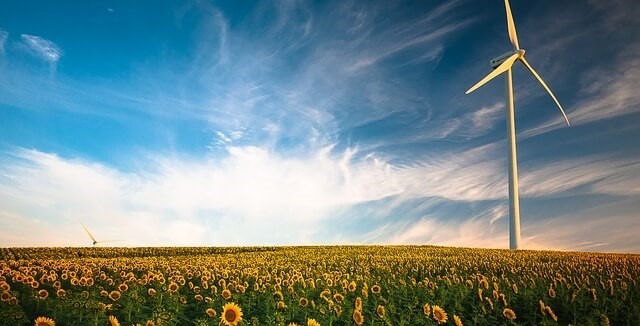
[[504, 63]]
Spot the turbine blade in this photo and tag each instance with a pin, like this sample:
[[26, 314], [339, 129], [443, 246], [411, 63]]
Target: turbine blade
[[504, 66], [89, 233], [511, 27], [535, 74]]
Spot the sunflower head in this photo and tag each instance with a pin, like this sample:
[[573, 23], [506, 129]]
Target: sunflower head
[[210, 312], [380, 311], [375, 289], [457, 321], [113, 321], [115, 295], [509, 314], [44, 321], [231, 314], [312, 322], [426, 309], [439, 315], [43, 294], [358, 318]]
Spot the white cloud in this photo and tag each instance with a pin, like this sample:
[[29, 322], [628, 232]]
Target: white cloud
[[254, 196], [250, 196], [41, 48], [4, 35]]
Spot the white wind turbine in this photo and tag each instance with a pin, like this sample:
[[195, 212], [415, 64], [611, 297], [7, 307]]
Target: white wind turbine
[[502, 64], [95, 242]]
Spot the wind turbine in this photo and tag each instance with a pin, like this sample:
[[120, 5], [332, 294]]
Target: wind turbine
[[501, 64], [94, 239]]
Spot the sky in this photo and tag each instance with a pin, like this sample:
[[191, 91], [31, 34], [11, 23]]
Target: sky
[[229, 123]]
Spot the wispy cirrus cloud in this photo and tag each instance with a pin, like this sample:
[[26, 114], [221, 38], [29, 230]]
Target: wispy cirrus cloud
[[4, 35], [40, 47]]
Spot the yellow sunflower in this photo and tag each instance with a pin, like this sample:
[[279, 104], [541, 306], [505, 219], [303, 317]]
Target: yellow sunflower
[[551, 314], [44, 321], [43, 294], [380, 311], [173, 287], [509, 314], [457, 321], [439, 315], [375, 289], [426, 309], [210, 312], [358, 318], [114, 295], [312, 322], [231, 314], [303, 302], [226, 294], [113, 321]]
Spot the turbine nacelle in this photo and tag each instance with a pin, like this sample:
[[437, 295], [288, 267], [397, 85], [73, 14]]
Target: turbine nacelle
[[495, 62]]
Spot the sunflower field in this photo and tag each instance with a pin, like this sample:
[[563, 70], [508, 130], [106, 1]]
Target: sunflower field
[[341, 285]]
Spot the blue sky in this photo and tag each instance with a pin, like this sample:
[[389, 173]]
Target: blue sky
[[299, 122]]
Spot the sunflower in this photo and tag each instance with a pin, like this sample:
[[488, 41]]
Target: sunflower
[[457, 321], [337, 309], [352, 286], [338, 297], [358, 318], [303, 302], [380, 311], [123, 287], [43, 294], [375, 289], [312, 322], [151, 292], [281, 305], [509, 314], [5, 296], [292, 324], [231, 314], [61, 293], [173, 287], [439, 315], [551, 314], [4, 286], [114, 295], [426, 309], [542, 307], [358, 304], [113, 321], [552, 293], [226, 294], [44, 321], [210, 312]]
